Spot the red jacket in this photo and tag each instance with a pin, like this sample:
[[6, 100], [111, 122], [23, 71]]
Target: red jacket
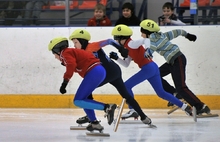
[[77, 60], [105, 21]]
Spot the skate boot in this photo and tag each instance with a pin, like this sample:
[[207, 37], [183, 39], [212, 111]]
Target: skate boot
[[95, 125], [110, 111], [205, 109], [147, 121], [187, 109], [130, 113], [83, 120]]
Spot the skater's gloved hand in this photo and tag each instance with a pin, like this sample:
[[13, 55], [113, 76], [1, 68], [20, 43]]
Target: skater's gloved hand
[[121, 49], [191, 37], [63, 87], [113, 55], [124, 52], [148, 54]]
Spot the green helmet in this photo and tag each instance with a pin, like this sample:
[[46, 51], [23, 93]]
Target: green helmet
[[150, 25], [57, 44], [81, 34]]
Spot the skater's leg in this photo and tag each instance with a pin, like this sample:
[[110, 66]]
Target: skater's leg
[[87, 86], [164, 71], [179, 77], [155, 81], [120, 86], [137, 78]]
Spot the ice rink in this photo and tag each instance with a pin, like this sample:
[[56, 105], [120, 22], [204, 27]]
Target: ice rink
[[53, 125]]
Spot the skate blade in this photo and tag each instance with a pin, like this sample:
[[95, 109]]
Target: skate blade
[[131, 122], [124, 118], [77, 127], [98, 134], [152, 126], [194, 114], [207, 115], [172, 110]]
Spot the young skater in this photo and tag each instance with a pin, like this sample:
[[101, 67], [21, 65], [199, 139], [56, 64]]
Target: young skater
[[81, 38], [175, 60], [90, 69], [149, 70]]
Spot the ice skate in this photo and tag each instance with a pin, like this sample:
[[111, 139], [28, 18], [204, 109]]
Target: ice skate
[[110, 110], [188, 110], [95, 125], [205, 109], [148, 121], [205, 112], [130, 113], [174, 108], [82, 120]]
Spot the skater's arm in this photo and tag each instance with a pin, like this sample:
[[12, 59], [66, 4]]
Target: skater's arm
[[175, 33], [124, 62], [121, 49], [135, 44]]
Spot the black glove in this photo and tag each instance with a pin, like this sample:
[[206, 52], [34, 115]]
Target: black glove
[[124, 52], [121, 49], [113, 55], [191, 37], [63, 87]]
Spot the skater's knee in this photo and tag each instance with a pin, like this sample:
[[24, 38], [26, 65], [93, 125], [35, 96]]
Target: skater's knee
[[162, 94], [128, 86], [79, 103]]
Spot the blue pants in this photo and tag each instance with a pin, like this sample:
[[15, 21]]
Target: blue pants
[[90, 82], [151, 73]]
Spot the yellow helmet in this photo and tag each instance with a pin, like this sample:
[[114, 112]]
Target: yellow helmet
[[57, 44], [80, 33], [150, 25], [122, 30]]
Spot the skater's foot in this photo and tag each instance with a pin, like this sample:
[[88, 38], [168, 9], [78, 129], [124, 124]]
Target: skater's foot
[[130, 113], [205, 109], [83, 120], [147, 120], [110, 110], [95, 125], [187, 109]]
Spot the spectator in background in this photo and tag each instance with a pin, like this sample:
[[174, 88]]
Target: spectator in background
[[168, 17], [128, 16], [99, 19], [32, 11], [10, 10]]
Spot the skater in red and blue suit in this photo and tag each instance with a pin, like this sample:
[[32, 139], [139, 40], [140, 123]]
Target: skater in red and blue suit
[[93, 73]]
